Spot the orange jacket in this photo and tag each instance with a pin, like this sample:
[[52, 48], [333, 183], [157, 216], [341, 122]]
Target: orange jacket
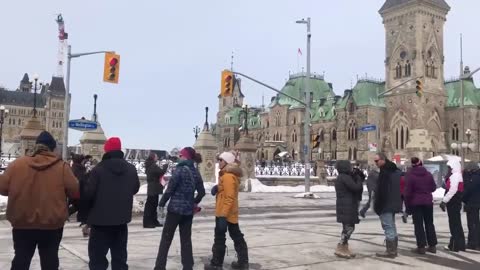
[[227, 196], [37, 188]]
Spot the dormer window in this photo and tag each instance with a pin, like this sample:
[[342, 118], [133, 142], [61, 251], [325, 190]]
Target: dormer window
[[321, 112]]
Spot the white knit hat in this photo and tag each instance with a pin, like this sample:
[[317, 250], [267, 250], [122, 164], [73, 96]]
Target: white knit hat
[[227, 157]]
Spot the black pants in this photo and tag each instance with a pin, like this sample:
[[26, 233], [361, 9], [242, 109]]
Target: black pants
[[150, 212], [219, 247], [347, 232], [454, 208], [473, 221], [26, 241], [424, 227], [171, 222], [104, 238]]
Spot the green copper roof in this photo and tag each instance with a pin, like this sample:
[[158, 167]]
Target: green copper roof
[[471, 93], [232, 117], [235, 116], [295, 87], [365, 93]]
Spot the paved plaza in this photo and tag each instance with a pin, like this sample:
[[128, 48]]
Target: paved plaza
[[282, 233]]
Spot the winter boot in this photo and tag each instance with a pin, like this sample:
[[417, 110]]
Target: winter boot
[[242, 253], [216, 263], [342, 252], [349, 252], [421, 251], [391, 250], [432, 249]]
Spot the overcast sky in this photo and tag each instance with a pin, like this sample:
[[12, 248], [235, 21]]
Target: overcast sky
[[172, 53]]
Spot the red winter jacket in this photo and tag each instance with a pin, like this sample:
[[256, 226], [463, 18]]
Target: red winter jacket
[[402, 184]]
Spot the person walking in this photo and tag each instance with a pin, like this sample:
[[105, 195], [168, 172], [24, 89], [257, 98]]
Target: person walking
[[109, 193], [185, 180], [419, 201], [38, 187], [154, 189], [471, 198], [348, 188], [372, 180], [226, 215], [452, 201], [388, 202], [80, 206]]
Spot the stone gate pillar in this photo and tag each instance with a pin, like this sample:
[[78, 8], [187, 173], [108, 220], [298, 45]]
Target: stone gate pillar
[[207, 147], [246, 152], [29, 135]]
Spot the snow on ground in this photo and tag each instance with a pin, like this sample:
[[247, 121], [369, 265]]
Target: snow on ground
[[258, 187]]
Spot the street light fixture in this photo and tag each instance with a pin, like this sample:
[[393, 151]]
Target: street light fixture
[[3, 115], [306, 146], [196, 131], [35, 88]]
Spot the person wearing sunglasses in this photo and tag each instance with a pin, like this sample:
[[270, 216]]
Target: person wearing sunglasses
[[388, 202], [227, 214]]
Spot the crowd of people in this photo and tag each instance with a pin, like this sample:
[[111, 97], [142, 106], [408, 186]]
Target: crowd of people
[[43, 191], [389, 189]]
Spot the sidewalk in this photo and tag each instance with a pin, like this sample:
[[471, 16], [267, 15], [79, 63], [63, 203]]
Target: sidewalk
[[282, 233]]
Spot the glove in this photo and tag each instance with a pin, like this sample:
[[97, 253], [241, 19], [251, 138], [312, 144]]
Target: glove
[[222, 224], [443, 206], [214, 190], [362, 212], [196, 209]]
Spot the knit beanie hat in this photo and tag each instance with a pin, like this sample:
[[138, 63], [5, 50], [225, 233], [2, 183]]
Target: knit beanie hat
[[113, 144], [45, 138], [227, 157]]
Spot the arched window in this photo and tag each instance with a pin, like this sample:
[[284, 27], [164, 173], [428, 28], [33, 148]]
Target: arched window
[[294, 120], [352, 130], [321, 136], [354, 154], [408, 69], [402, 139], [396, 139], [334, 135], [455, 132], [350, 153]]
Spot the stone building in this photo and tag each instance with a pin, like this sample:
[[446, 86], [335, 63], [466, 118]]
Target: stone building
[[362, 121], [19, 102]]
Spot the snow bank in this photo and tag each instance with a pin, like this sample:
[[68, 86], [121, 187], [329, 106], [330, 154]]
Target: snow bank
[[258, 187]]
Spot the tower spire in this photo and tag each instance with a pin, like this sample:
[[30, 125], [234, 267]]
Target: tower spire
[[461, 54]]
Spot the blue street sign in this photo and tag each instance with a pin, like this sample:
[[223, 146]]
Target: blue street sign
[[368, 128], [82, 125]]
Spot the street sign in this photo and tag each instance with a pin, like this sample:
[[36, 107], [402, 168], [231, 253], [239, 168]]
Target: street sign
[[368, 128], [82, 125]]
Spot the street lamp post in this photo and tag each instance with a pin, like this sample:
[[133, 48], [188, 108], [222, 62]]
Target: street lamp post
[[3, 115], [306, 146], [245, 120], [35, 86], [196, 131]]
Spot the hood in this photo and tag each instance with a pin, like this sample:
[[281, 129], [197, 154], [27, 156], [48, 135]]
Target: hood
[[344, 166], [454, 163], [233, 168], [43, 160], [419, 171], [113, 161]]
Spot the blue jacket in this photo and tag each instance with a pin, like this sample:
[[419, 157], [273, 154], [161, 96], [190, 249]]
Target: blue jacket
[[181, 189]]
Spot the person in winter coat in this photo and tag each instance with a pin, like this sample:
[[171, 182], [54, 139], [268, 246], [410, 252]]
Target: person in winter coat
[[419, 201], [388, 202], [471, 198], [80, 206], [37, 188], [453, 202], [348, 189], [109, 193], [185, 180], [226, 214], [402, 192], [372, 180], [154, 189]]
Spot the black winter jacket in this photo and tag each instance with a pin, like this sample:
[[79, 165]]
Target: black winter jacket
[[154, 172], [81, 205], [348, 190], [471, 195], [110, 190], [387, 194]]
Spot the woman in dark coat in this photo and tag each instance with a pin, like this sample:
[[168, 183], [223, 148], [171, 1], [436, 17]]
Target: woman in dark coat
[[80, 172], [348, 189], [471, 198], [419, 201], [154, 189]]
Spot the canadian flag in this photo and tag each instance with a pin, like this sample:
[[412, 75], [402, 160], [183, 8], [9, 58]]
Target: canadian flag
[[299, 51]]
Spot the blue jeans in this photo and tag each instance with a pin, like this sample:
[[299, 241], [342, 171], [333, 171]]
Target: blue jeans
[[388, 225]]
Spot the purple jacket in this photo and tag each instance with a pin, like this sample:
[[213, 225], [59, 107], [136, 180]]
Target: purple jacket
[[420, 186]]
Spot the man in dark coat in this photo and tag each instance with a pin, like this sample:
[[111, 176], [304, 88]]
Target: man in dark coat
[[110, 190], [348, 188], [154, 189], [471, 198], [388, 202]]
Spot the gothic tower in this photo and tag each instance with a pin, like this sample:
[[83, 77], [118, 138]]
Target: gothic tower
[[415, 124]]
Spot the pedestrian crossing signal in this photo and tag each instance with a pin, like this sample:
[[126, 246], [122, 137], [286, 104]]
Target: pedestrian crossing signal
[[419, 88], [111, 69], [226, 89]]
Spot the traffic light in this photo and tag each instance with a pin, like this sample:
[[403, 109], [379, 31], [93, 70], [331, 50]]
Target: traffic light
[[111, 68], [315, 141], [419, 88], [227, 83]]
